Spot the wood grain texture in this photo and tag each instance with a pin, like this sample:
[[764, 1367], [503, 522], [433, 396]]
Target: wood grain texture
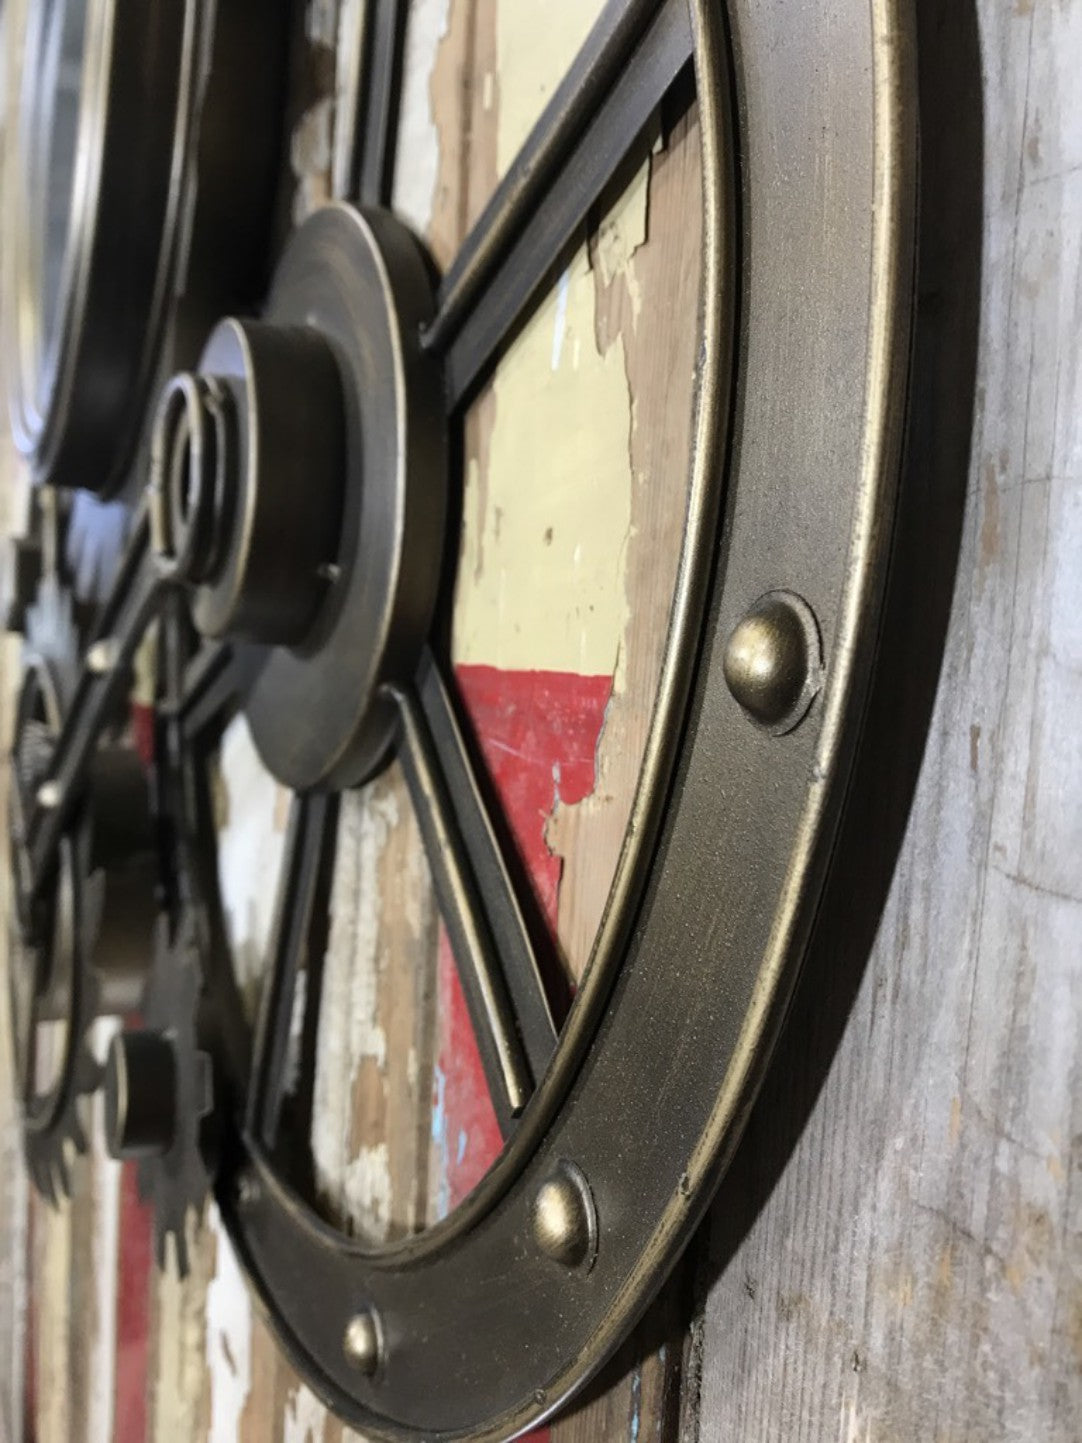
[[897, 1254]]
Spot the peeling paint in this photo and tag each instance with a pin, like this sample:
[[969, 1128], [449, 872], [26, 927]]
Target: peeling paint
[[553, 529], [250, 847], [305, 1417], [547, 511], [228, 1339], [368, 1192], [418, 140], [105, 1251], [349, 1027], [182, 1339]]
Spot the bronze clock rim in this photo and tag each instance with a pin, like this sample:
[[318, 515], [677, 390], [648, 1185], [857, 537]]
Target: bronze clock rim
[[422, 1291]]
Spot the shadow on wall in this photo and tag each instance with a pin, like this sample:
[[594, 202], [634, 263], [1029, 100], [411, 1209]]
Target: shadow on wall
[[916, 617]]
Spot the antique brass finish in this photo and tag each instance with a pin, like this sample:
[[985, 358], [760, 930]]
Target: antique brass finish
[[564, 1218], [321, 613], [772, 661]]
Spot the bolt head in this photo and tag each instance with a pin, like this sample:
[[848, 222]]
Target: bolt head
[[248, 1189], [772, 661], [563, 1218], [363, 1342]]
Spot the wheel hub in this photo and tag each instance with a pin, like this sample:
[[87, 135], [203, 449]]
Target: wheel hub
[[300, 484]]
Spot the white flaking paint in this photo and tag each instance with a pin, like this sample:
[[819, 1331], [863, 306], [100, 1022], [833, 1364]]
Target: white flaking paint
[[368, 1191], [106, 1176], [349, 1032], [320, 22], [304, 1419], [250, 846], [53, 1338], [621, 233], [228, 1339], [547, 522], [177, 1367], [418, 151], [347, 79]]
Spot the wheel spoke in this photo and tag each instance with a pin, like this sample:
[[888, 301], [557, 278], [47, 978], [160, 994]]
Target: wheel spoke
[[298, 942], [136, 599], [367, 156], [489, 936], [629, 62], [209, 691]]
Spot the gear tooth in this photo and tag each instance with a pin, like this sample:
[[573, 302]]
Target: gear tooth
[[63, 1177], [93, 902], [180, 1243], [144, 1179], [91, 1073], [35, 1177], [77, 1132], [44, 1184]]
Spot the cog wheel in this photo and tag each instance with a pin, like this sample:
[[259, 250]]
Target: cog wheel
[[159, 1091], [78, 948], [53, 641], [55, 1069]]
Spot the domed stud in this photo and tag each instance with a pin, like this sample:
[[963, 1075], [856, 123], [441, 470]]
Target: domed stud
[[363, 1342], [563, 1218], [773, 661]]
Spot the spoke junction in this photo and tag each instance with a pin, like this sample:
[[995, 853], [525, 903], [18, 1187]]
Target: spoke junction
[[133, 603]]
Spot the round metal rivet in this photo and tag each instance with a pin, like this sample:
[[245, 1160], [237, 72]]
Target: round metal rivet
[[773, 661], [564, 1219], [101, 658], [248, 1189], [362, 1343], [49, 796]]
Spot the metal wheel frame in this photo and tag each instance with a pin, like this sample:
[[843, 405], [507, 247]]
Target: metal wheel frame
[[480, 1327], [490, 1320], [162, 94]]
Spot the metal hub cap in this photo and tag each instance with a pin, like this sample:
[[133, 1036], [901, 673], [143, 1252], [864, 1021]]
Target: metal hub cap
[[300, 485]]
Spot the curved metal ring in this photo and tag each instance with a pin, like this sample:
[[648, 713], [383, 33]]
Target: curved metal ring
[[187, 488], [666, 1059]]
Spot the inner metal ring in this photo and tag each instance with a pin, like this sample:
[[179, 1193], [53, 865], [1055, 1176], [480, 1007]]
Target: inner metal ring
[[77, 391], [357, 283], [186, 490], [140, 196]]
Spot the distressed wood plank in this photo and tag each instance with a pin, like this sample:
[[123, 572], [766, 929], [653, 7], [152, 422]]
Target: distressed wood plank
[[898, 1252]]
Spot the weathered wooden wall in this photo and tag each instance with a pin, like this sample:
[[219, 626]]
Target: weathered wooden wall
[[896, 1255]]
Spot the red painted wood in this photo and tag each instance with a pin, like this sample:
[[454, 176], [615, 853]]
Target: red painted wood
[[538, 732], [135, 1279]]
